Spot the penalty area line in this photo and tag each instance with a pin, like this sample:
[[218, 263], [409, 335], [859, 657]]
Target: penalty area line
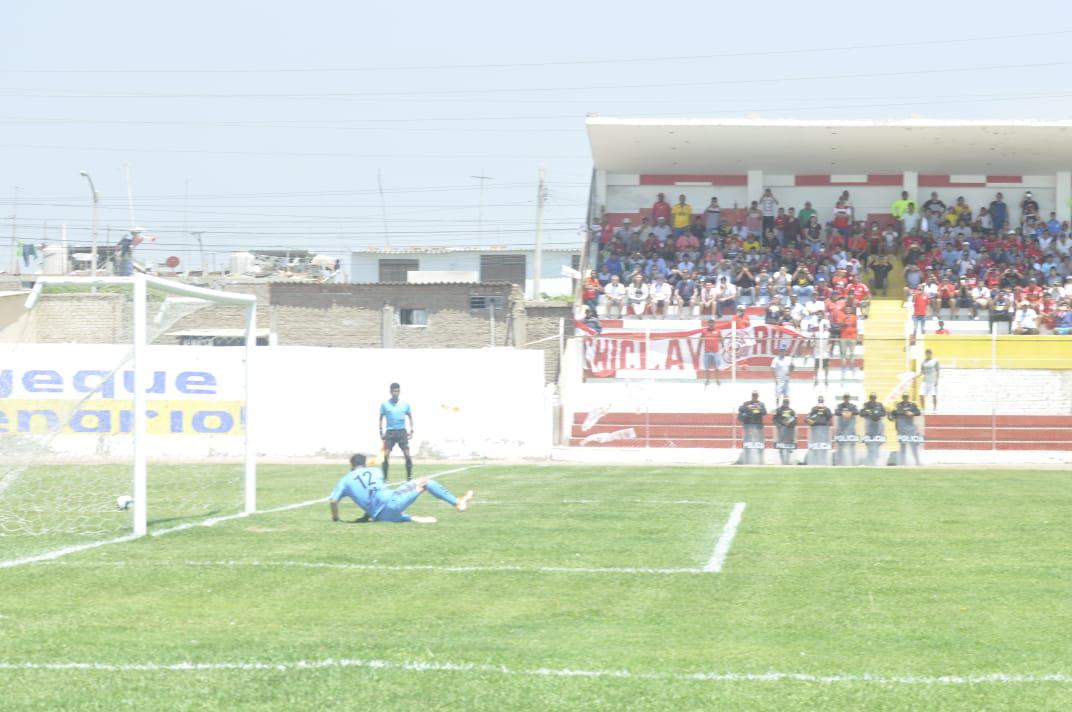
[[484, 668], [67, 550], [374, 567], [722, 547]]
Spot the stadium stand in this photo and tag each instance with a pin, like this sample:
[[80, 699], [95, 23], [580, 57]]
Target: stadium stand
[[970, 265]]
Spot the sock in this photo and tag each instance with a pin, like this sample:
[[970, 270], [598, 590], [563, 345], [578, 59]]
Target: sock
[[409, 469], [440, 492], [384, 467]]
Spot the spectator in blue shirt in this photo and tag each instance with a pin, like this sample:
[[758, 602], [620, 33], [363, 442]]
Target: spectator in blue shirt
[[999, 213], [1053, 225], [654, 267], [613, 265]]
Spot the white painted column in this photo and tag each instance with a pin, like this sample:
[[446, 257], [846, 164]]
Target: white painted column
[[599, 194], [755, 186], [910, 183], [1064, 195]]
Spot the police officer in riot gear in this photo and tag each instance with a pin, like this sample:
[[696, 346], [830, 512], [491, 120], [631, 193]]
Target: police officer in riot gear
[[874, 415], [819, 439], [751, 414], [904, 416], [785, 426], [845, 435]]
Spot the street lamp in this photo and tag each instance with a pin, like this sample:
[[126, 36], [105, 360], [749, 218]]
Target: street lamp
[[96, 199]]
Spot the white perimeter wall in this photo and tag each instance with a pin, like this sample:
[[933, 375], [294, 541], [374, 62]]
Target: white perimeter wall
[[981, 391], [305, 402]]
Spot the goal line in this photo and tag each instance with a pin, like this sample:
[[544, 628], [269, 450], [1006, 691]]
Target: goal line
[[65, 551], [298, 666]]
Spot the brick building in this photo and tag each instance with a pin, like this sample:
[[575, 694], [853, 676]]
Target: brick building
[[378, 315]]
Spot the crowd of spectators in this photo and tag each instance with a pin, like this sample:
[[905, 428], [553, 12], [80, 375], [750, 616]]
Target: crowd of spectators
[[686, 263], [970, 262]]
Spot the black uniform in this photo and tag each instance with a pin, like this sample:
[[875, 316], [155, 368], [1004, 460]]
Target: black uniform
[[751, 414], [845, 436], [785, 425], [904, 416], [820, 415], [873, 413], [819, 441]]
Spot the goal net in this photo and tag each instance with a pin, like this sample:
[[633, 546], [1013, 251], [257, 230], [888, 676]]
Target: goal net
[[119, 413]]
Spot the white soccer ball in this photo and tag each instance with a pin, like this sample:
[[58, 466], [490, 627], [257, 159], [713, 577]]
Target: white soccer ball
[[124, 502]]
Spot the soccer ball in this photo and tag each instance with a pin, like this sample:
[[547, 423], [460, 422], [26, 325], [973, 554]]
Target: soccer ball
[[124, 502]]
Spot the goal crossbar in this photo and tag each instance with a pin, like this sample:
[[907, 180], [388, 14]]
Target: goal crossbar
[[141, 283]]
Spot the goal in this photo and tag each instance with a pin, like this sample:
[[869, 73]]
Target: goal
[[98, 378]]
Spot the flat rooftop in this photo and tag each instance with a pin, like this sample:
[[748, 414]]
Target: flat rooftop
[[733, 146]]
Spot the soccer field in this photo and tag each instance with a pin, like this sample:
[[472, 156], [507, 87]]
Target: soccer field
[[568, 587]]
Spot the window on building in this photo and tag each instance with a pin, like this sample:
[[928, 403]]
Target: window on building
[[503, 268], [480, 302], [396, 270], [413, 317]]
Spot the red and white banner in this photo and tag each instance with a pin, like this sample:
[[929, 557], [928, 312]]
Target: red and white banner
[[633, 354]]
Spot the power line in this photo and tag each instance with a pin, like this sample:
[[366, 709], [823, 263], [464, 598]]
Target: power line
[[301, 154], [350, 123], [545, 63]]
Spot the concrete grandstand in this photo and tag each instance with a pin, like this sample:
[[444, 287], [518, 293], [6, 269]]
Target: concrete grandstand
[[652, 212]]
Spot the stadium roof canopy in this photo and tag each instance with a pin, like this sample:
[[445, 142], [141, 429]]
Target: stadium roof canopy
[[682, 146]]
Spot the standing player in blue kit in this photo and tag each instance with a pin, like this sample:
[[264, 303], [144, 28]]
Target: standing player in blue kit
[[393, 414]]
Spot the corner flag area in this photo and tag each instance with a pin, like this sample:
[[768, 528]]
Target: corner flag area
[[568, 587]]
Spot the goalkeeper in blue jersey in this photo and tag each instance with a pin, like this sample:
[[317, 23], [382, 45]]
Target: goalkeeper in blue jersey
[[366, 487]]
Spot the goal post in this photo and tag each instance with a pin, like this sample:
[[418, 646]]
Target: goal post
[[140, 371]]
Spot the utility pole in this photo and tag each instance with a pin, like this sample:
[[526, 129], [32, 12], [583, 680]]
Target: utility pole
[[93, 228], [383, 208], [537, 262], [480, 206], [200, 248], [14, 214]]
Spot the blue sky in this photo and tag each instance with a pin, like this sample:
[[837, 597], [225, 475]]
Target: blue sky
[[267, 124]]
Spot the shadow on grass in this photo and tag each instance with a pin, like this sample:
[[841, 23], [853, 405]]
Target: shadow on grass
[[187, 518]]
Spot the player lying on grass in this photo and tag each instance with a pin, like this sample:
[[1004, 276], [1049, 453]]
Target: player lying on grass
[[365, 486]]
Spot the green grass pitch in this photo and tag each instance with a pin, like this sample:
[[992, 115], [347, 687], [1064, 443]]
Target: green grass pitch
[[568, 587]]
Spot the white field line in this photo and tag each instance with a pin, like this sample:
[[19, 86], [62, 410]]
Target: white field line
[[528, 502], [57, 553], [481, 668], [714, 564], [9, 479], [437, 568]]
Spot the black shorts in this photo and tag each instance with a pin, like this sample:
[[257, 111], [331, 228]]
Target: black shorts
[[395, 437]]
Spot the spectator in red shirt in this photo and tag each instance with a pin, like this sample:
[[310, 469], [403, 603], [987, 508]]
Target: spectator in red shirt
[[947, 290], [590, 291], [712, 359], [740, 319], [606, 231], [687, 242], [941, 328], [919, 311], [858, 246], [842, 219], [847, 340], [661, 209], [861, 295], [1033, 293], [836, 241]]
